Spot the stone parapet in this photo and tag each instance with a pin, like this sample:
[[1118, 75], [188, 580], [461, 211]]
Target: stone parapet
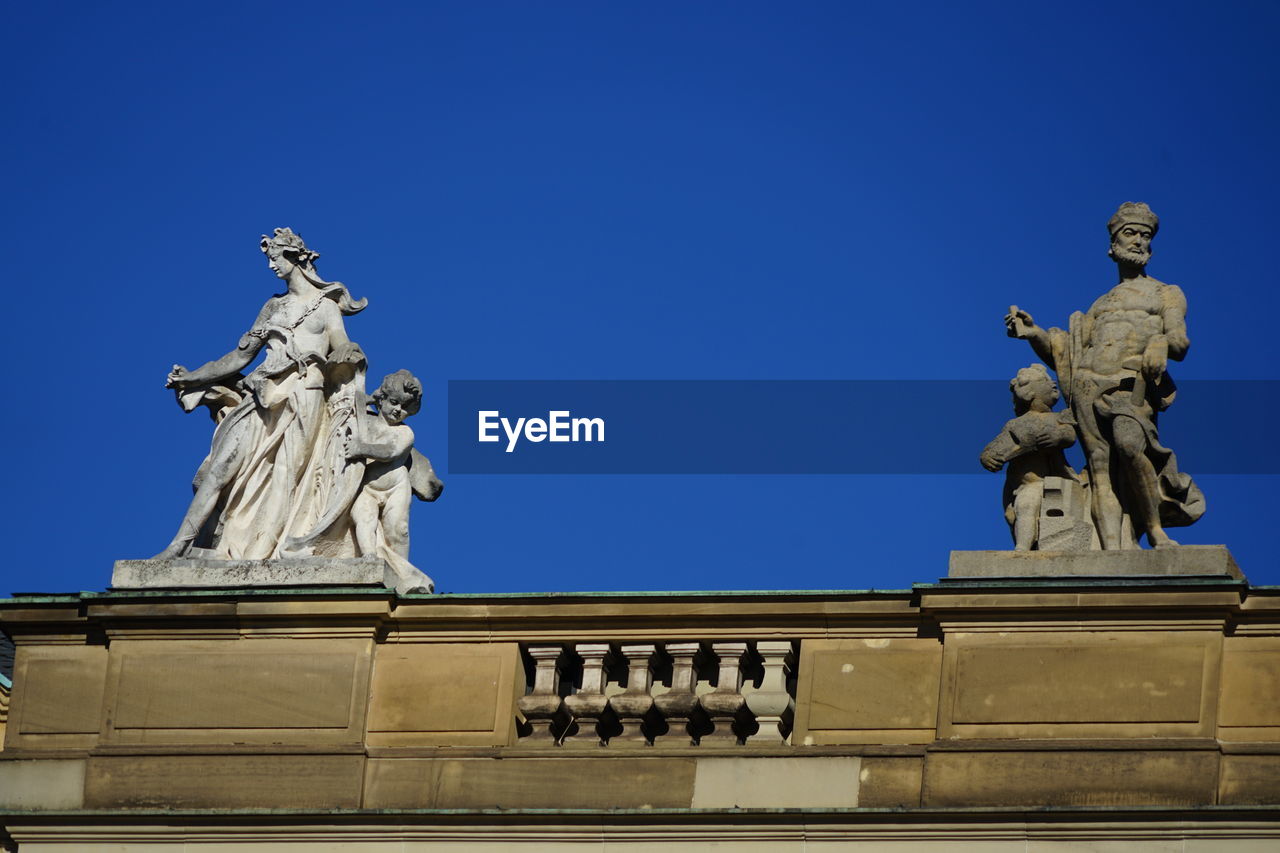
[[1113, 693]]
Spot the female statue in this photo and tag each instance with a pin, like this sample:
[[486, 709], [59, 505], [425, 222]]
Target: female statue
[[278, 447]]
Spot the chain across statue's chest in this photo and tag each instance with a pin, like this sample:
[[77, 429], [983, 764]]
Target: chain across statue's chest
[[294, 315]]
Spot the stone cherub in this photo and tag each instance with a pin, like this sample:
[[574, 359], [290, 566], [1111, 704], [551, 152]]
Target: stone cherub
[[389, 471], [1031, 445], [394, 471], [1112, 365]]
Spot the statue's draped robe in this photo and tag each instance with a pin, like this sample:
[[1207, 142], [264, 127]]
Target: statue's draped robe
[[285, 437]]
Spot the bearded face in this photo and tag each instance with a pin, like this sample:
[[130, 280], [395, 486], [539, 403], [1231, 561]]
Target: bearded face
[[1132, 257], [1131, 245]]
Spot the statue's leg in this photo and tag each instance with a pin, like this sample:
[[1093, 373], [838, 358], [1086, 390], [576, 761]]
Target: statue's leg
[[1026, 515], [214, 479], [1107, 513], [395, 520], [364, 518], [1131, 444]]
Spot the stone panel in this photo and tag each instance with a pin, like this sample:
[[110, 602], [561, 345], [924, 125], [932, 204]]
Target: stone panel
[[868, 691], [1084, 684], [445, 694], [202, 691], [224, 781], [1250, 686], [1071, 778], [57, 696], [1249, 780], [535, 783], [238, 691], [1110, 684]]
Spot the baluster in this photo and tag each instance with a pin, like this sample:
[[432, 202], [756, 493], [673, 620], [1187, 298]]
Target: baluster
[[678, 705], [773, 706], [588, 705], [725, 705], [543, 708], [634, 704]]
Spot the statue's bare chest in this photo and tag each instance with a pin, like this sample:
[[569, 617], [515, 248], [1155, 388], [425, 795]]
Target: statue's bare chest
[[1128, 301]]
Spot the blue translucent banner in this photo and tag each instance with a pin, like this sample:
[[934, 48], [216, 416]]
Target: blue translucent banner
[[805, 427]]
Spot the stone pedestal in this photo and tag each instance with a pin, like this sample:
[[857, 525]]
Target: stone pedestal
[[210, 573], [1184, 560]]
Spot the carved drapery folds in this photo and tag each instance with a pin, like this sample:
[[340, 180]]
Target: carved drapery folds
[[634, 695]]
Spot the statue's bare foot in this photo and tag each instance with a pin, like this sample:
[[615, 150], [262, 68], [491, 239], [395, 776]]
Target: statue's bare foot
[[172, 552], [1164, 542]]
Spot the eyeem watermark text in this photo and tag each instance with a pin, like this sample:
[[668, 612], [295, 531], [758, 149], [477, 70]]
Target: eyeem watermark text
[[558, 426]]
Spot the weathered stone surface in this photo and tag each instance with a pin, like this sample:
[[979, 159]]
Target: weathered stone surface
[[1071, 778], [212, 573], [1186, 560]]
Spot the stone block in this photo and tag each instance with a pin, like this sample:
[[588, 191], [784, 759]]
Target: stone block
[[455, 694], [42, 784], [1071, 778], [1250, 780], [224, 781], [209, 573], [1184, 560], [537, 783], [776, 783], [890, 782]]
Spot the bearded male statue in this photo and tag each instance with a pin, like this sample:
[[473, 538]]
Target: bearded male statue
[[1111, 365]]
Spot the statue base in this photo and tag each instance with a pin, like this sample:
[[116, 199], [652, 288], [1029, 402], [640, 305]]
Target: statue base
[[212, 573], [1183, 560]]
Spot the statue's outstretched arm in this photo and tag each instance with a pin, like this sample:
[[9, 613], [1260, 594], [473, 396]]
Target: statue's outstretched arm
[[1019, 324], [229, 365]]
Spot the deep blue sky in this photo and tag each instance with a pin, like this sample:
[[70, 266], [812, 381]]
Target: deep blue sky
[[615, 191]]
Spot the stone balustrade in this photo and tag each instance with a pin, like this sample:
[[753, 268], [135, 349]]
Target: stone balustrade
[[720, 694]]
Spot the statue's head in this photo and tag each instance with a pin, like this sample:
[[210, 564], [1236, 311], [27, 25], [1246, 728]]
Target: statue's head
[[1132, 228], [399, 396], [1032, 386], [285, 250]]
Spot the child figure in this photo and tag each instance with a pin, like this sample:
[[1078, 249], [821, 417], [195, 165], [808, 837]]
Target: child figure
[[1031, 444], [394, 472]]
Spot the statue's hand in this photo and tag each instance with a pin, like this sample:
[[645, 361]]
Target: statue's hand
[[1155, 359], [1018, 323], [177, 378], [351, 448], [990, 461]]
